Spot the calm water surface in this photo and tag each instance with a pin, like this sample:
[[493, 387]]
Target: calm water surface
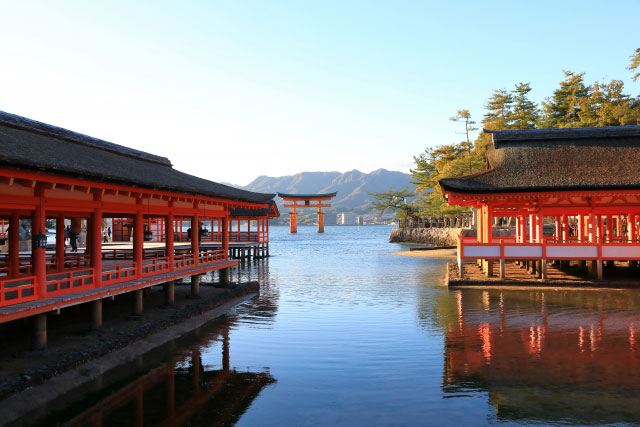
[[345, 333]]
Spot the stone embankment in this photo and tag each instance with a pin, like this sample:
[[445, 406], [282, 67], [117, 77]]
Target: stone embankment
[[443, 236]]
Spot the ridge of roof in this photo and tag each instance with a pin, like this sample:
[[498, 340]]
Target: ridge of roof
[[34, 126], [515, 135], [307, 196]]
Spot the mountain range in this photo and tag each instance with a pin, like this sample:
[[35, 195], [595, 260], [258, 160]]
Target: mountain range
[[353, 187]]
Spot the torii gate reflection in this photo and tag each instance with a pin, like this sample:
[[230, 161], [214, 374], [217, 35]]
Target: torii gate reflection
[[304, 201]]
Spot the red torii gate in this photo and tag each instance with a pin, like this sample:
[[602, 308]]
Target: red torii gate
[[305, 202]]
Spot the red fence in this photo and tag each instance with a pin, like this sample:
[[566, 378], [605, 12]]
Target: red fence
[[14, 291], [78, 277]]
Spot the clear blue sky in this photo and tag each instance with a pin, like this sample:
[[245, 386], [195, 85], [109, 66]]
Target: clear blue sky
[[230, 90]]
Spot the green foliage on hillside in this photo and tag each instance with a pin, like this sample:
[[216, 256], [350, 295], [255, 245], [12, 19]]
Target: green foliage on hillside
[[572, 104]]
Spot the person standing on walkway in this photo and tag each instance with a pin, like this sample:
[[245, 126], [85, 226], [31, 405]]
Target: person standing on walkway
[[73, 238]]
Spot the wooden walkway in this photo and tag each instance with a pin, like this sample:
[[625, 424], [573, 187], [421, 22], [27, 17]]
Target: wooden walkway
[[31, 308]]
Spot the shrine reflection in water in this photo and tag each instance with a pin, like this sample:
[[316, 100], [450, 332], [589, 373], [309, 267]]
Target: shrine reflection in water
[[189, 381], [547, 356]]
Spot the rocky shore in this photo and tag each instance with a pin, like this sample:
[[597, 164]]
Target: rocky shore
[[432, 236]]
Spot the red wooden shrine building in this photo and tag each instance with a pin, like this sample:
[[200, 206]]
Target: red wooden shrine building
[[52, 176], [570, 195]]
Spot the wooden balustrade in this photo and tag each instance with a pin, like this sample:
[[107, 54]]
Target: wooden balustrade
[[79, 275], [69, 281], [15, 291], [155, 266], [114, 273], [549, 249]]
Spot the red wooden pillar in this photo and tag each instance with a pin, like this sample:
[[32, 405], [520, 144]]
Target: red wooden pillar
[[489, 225], [195, 234], [14, 245], [38, 255], [138, 238], [225, 236], [631, 225], [539, 227], [532, 232], [618, 227], [96, 246], [169, 242], [293, 221], [60, 243], [565, 228]]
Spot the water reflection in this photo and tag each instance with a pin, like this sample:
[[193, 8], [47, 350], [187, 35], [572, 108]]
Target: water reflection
[[190, 389], [547, 356]]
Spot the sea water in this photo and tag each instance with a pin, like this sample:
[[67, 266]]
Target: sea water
[[344, 332]]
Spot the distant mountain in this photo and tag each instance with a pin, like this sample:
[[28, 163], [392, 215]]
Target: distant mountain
[[352, 187]]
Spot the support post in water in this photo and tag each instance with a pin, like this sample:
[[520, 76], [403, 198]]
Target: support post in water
[[40, 331], [169, 293], [137, 302], [195, 286], [96, 314]]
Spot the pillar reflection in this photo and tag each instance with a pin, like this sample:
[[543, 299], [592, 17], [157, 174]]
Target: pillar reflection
[[546, 356]]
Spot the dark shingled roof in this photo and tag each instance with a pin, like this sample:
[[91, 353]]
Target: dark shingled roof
[[557, 159], [28, 144], [253, 212]]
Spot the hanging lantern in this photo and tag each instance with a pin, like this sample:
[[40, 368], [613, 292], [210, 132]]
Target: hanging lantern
[[40, 241]]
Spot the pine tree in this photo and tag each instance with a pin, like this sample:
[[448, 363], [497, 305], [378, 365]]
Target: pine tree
[[464, 116], [499, 111], [562, 110], [525, 112], [635, 64]]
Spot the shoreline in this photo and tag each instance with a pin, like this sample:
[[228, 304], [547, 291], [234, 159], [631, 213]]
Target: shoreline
[[432, 253], [52, 380]]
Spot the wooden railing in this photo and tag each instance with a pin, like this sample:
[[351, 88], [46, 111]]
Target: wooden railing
[[549, 249], [78, 276], [211, 256], [115, 273], [15, 291], [69, 281], [155, 266]]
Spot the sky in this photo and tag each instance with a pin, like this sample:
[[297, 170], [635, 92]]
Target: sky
[[230, 90]]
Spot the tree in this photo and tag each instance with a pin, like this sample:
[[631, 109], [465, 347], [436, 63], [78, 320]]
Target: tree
[[445, 161], [464, 116], [607, 105], [524, 114], [562, 109], [499, 112], [395, 201], [635, 64]]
